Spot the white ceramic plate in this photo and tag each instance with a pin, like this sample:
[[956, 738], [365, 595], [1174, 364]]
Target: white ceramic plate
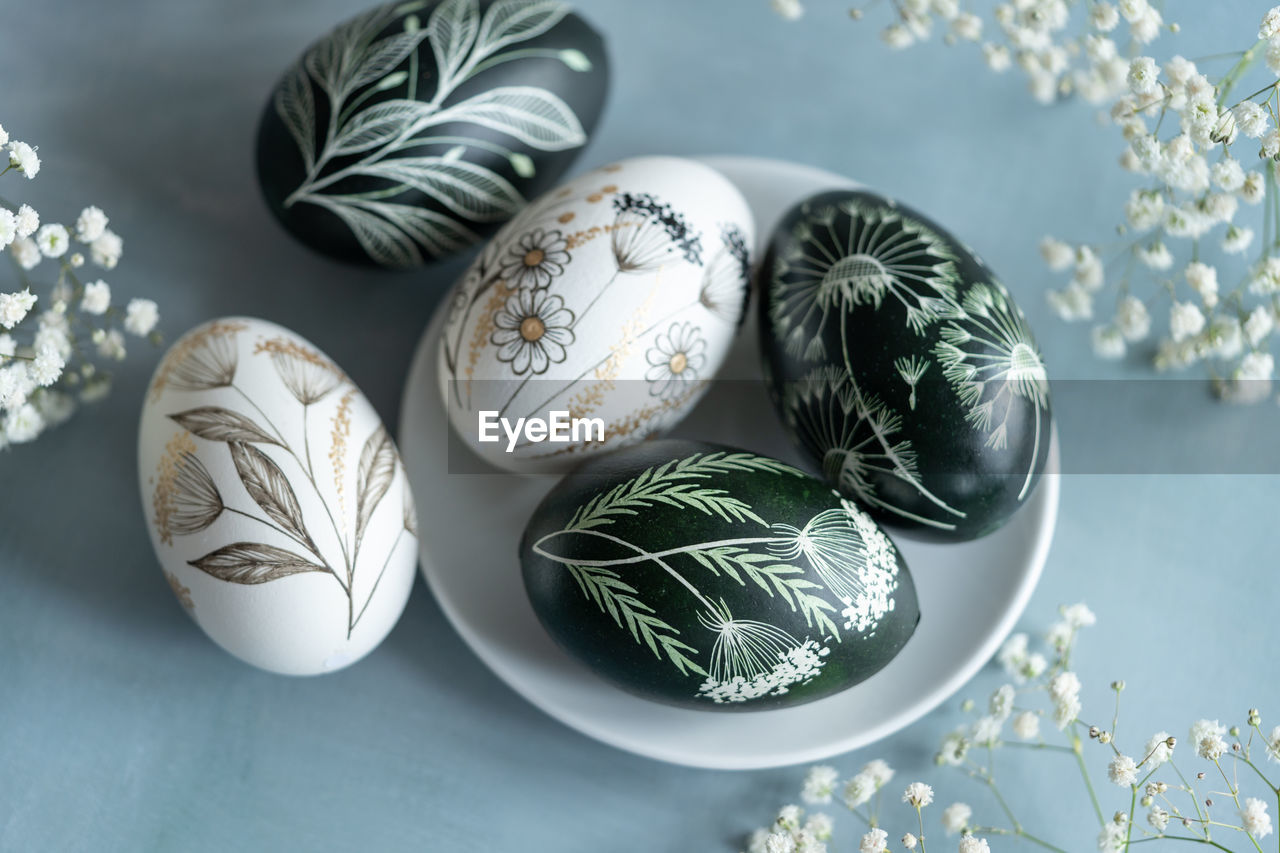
[[970, 594]]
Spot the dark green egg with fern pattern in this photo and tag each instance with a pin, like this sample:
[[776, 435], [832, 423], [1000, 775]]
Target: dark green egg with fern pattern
[[714, 578], [902, 366]]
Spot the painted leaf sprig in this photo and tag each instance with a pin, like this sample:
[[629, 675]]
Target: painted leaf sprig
[[376, 114]]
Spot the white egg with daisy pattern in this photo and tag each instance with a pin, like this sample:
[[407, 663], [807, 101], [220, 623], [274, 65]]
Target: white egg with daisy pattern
[[598, 316]]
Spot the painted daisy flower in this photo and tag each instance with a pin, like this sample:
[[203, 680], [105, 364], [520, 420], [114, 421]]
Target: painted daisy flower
[[675, 359], [533, 330], [536, 259]]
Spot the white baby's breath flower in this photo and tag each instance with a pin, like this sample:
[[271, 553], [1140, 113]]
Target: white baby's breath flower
[[789, 817], [1158, 818], [1251, 119], [1158, 750], [1079, 615], [1254, 188], [879, 771], [1034, 665], [875, 841], [780, 842], [1206, 737], [14, 307], [1108, 342], [1255, 819], [820, 826], [1113, 837], [986, 730], [1236, 241], [1259, 325], [22, 424], [1145, 29], [1000, 704], [1272, 742], [4, 136], [1073, 302], [1144, 209], [97, 297], [1204, 281], [110, 344], [8, 227], [1228, 175], [1266, 276], [1026, 725], [909, 841], [1155, 256], [90, 224], [859, 790], [106, 250], [1185, 320], [819, 784], [1273, 57], [1270, 25], [918, 794], [1255, 367], [973, 844], [996, 57], [1103, 17], [1063, 686], [1057, 254], [53, 241], [966, 26], [27, 220], [140, 317], [1122, 771], [897, 36], [23, 158], [955, 818], [47, 366], [1144, 76], [1132, 319], [954, 747], [1013, 652], [8, 346]]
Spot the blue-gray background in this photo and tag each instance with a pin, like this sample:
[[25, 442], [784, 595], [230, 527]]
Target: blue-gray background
[[123, 728]]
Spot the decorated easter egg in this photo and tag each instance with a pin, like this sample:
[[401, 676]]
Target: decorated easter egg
[[901, 366], [708, 577], [598, 316], [413, 129], [277, 503]]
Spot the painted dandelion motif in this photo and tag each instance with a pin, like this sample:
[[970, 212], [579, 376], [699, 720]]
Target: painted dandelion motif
[[308, 375], [185, 500], [858, 440], [853, 557], [853, 253], [204, 360], [725, 279], [647, 233], [752, 659], [991, 361], [911, 369]]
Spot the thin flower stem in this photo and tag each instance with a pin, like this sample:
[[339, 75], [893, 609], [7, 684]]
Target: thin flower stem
[[383, 571], [920, 823], [1233, 75], [1084, 774], [644, 556], [1050, 747], [1181, 838], [289, 535]]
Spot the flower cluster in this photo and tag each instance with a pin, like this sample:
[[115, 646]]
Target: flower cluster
[[1059, 51], [1208, 161], [1159, 799], [47, 341]]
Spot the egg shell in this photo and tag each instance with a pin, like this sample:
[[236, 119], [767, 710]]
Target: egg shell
[[450, 114], [713, 578], [270, 488], [615, 297], [901, 366]]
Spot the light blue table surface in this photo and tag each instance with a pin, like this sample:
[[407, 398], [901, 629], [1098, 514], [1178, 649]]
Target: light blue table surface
[[123, 728]]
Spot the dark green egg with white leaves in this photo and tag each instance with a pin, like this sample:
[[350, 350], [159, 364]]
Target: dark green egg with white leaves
[[709, 577], [901, 366], [414, 129]]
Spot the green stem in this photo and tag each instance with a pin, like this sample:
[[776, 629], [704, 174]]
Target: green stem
[[1233, 75], [1084, 774]]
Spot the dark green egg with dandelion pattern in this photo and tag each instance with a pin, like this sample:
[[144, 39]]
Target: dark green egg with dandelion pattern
[[709, 577], [901, 366], [414, 129]]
